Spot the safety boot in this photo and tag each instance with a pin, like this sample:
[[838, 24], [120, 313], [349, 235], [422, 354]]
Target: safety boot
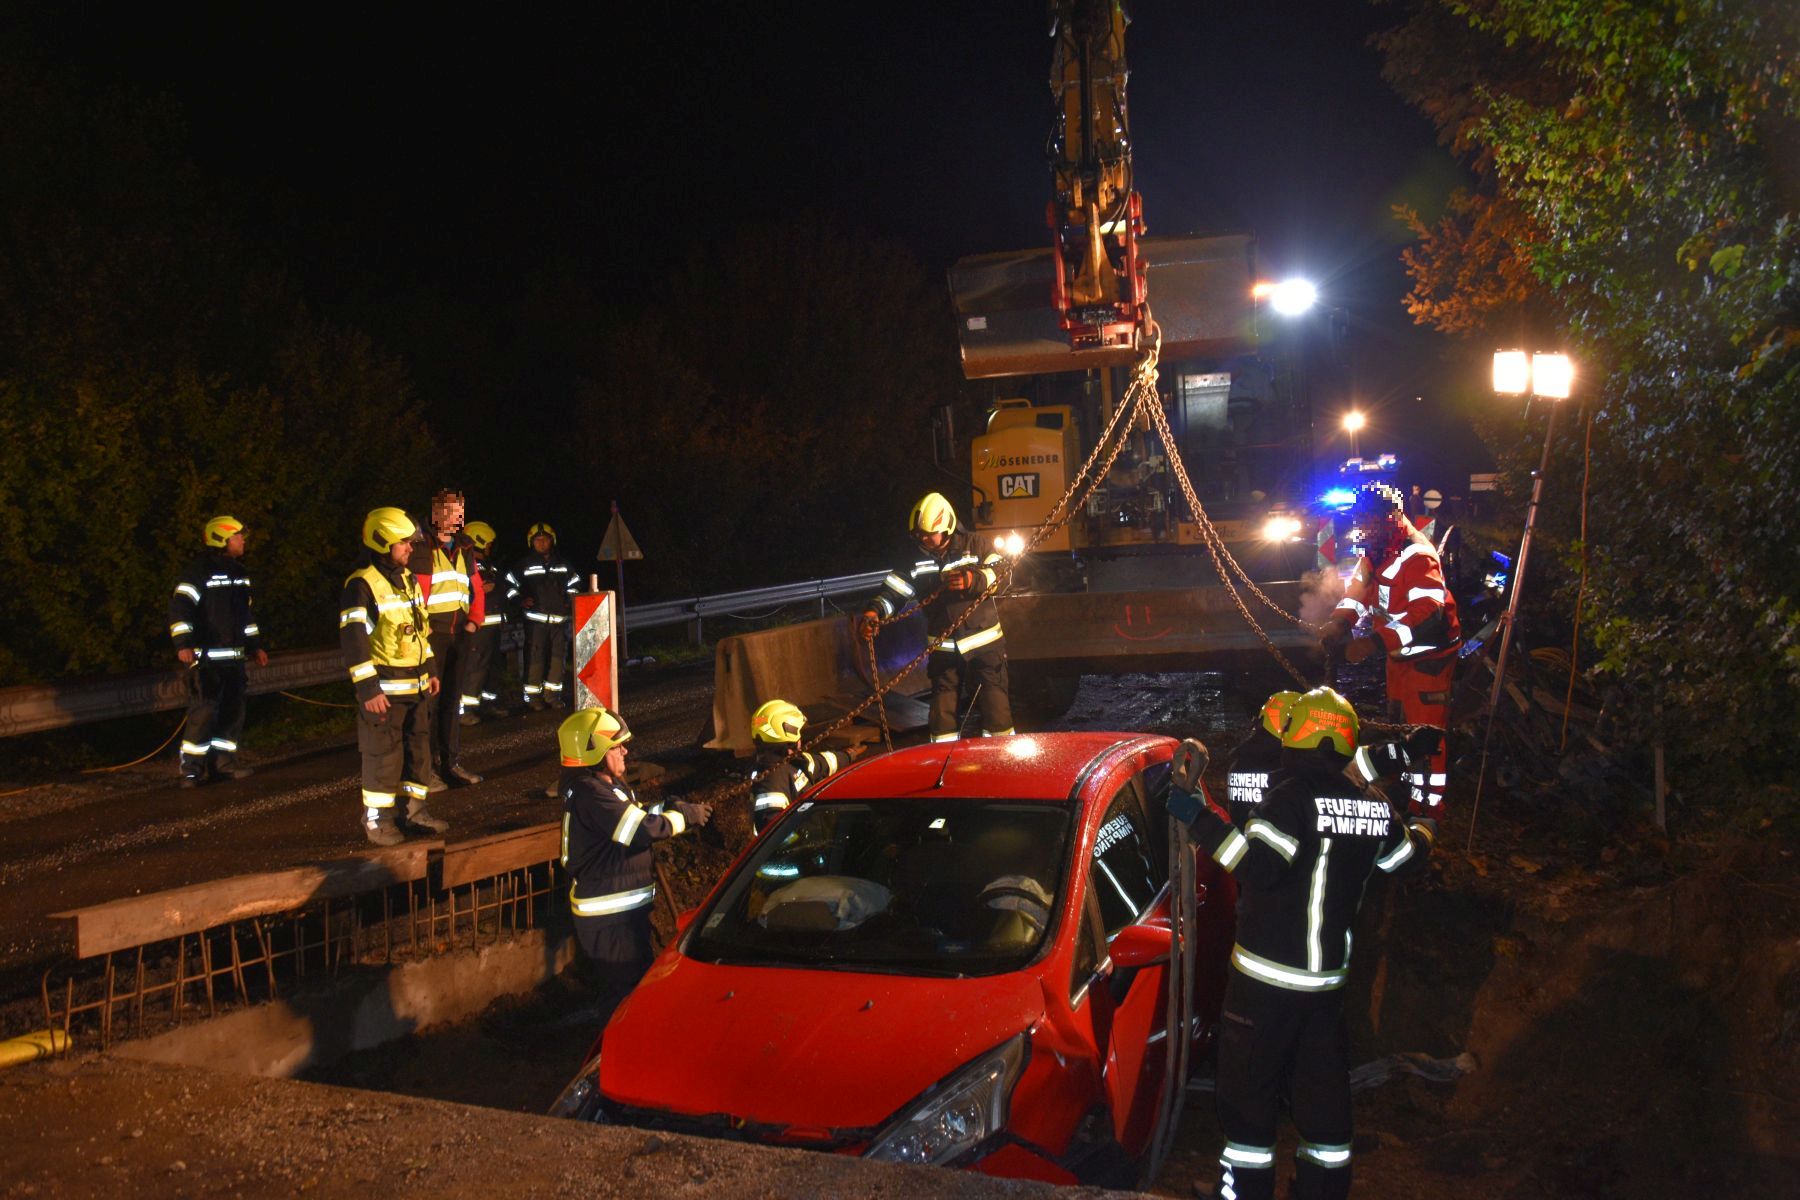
[[418, 818], [232, 771], [433, 783], [463, 775], [380, 827], [468, 719]]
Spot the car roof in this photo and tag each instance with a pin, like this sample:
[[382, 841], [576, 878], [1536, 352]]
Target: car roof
[[1026, 766]]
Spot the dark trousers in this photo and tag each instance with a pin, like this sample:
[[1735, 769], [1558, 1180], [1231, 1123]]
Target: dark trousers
[[480, 668], [396, 751], [450, 646], [546, 648], [1274, 1042], [949, 671], [215, 717], [619, 946]]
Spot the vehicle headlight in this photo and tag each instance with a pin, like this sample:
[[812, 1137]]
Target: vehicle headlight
[[580, 1100], [959, 1113], [1281, 529], [1009, 543]]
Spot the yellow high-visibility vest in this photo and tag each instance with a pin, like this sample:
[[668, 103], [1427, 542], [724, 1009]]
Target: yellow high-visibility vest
[[449, 582], [398, 639]]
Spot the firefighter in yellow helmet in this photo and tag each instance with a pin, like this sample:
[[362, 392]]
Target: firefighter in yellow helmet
[[1255, 761], [542, 584], [479, 683], [1302, 862], [780, 771], [382, 629], [215, 635], [951, 580], [607, 839], [442, 563]]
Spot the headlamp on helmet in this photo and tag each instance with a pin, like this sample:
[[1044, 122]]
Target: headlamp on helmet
[[220, 530], [588, 734], [777, 721], [1318, 717], [1275, 711], [383, 528], [931, 515]]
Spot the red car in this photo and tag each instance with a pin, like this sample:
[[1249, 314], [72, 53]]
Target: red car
[[953, 954]]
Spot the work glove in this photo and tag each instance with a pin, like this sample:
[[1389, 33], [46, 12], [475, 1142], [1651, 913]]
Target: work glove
[[1335, 633], [959, 580], [1184, 803], [1422, 743], [1385, 760], [867, 626], [696, 815], [1362, 648]]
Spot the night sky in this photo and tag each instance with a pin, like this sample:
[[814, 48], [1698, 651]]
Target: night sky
[[387, 149]]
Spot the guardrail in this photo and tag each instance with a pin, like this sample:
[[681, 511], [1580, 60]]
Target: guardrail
[[34, 708]]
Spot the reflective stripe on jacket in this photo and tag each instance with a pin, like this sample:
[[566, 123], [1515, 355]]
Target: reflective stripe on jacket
[[210, 609], [922, 582], [381, 630]]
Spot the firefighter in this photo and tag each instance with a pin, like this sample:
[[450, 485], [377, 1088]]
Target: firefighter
[[541, 584], [1301, 865], [479, 684], [780, 772], [1399, 585], [1247, 779], [215, 633], [383, 631], [607, 845], [951, 581], [441, 564]]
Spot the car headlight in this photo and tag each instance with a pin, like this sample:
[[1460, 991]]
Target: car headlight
[[1281, 529], [580, 1100], [959, 1113]]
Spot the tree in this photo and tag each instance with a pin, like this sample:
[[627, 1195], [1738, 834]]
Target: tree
[[1636, 167]]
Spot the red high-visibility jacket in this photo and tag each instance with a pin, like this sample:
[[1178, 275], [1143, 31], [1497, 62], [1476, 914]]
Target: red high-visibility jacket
[[1411, 609]]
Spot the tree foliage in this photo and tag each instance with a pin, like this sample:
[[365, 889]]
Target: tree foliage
[[155, 370], [1639, 171]]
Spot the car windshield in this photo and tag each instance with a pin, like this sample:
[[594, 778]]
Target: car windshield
[[917, 887]]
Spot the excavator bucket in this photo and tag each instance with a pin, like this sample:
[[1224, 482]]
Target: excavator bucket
[[1199, 295]]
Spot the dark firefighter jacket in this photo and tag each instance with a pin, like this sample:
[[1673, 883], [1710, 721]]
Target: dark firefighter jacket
[[1301, 863], [922, 582], [382, 631], [547, 580], [607, 835], [210, 610], [1247, 780], [777, 781]]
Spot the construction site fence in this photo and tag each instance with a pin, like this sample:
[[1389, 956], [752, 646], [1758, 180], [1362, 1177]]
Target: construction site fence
[[35, 708]]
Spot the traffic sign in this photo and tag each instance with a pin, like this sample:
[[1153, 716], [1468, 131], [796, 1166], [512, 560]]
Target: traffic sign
[[618, 544]]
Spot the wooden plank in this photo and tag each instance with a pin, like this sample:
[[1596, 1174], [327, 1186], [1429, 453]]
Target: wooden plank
[[479, 858], [140, 920]]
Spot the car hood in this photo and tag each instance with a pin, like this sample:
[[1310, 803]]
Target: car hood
[[816, 1049]]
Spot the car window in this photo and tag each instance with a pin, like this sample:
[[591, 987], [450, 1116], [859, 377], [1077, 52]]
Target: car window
[[1125, 873], [918, 886]]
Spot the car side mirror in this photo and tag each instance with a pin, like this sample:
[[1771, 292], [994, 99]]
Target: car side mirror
[[683, 920], [1141, 946]]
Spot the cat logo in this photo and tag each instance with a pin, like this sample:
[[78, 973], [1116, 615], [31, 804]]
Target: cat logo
[[1015, 487]]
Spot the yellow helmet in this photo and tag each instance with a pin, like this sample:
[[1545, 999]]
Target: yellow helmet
[[1321, 716], [1275, 711], [542, 527], [481, 533], [933, 514], [384, 527], [777, 721], [587, 734], [221, 529]]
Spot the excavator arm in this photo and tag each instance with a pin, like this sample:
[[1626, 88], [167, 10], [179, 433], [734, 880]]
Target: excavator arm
[[1095, 216]]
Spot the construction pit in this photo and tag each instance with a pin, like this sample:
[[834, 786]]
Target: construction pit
[[1502, 1012]]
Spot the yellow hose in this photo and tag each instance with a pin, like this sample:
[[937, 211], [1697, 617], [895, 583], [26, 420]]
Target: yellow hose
[[33, 1046]]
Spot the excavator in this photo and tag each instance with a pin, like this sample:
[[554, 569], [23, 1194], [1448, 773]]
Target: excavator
[[1128, 582]]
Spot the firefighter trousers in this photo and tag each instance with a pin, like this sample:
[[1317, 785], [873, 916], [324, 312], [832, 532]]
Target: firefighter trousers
[[546, 650], [1274, 1042], [215, 717], [1418, 691], [949, 671], [450, 646], [619, 946], [481, 669], [396, 751]]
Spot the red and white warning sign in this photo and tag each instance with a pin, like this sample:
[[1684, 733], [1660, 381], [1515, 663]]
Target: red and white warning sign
[[596, 650]]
